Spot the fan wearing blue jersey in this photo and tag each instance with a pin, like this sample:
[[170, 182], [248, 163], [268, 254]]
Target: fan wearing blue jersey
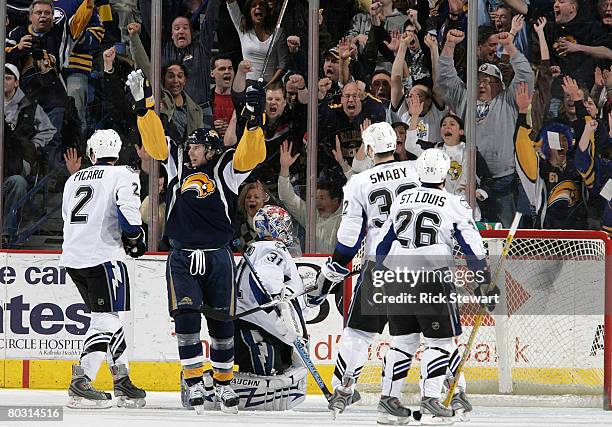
[[202, 199]]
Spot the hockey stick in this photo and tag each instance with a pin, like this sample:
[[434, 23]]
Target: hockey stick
[[272, 303], [273, 40], [298, 343], [482, 310]]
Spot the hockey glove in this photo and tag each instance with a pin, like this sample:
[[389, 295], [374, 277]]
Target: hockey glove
[[140, 91], [483, 279], [289, 323], [331, 274], [134, 246], [255, 105]]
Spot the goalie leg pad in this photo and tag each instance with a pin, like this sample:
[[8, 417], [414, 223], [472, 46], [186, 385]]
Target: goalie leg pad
[[352, 355], [434, 364], [271, 393], [397, 362]]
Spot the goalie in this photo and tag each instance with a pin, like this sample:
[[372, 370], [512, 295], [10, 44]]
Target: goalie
[[271, 376]]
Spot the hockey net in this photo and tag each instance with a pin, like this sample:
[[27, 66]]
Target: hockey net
[[556, 287]]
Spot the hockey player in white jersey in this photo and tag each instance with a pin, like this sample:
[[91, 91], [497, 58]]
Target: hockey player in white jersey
[[264, 340], [419, 236], [367, 201], [101, 213]]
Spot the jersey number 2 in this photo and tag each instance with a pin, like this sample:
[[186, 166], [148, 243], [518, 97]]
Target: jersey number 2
[[86, 193]]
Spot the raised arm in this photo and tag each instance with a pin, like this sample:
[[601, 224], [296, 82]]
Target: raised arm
[[235, 13]]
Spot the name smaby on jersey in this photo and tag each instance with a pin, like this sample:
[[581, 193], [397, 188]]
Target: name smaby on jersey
[[388, 175]]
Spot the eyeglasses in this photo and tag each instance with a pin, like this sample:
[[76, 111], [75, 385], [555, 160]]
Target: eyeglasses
[[351, 96]]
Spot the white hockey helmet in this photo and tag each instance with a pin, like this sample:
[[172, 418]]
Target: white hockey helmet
[[432, 166], [103, 143], [380, 136]]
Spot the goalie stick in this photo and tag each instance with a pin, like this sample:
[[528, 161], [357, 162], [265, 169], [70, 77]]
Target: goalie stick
[[483, 309], [298, 343]]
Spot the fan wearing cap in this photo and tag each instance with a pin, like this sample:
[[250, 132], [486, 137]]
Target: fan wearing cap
[[329, 86], [40, 51], [496, 114], [27, 129], [554, 187]]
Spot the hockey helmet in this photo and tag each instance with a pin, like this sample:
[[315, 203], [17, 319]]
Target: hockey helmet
[[432, 166], [209, 138], [103, 143], [275, 222], [380, 136]]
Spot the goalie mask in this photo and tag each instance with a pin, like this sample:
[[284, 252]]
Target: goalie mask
[[102, 144], [275, 222]]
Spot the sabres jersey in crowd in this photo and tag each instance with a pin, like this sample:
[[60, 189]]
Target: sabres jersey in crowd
[[597, 173], [422, 228], [367, 201], [57, 43], [276, 268], [556, 192], [99, 203], [201, 202], [81, 59]]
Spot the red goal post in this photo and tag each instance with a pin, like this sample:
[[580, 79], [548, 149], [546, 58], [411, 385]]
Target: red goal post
[[565, 353]]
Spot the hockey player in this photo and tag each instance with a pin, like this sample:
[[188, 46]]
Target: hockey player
[[102, 222], [367, 200], [202, 200], [264, 350], [424, 224]]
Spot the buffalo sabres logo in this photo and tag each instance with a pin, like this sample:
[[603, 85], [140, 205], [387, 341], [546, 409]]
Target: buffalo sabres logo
[[565, 191], [200, 183], [455, 170]]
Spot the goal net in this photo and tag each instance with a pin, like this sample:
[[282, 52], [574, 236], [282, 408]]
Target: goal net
[[550, 338]]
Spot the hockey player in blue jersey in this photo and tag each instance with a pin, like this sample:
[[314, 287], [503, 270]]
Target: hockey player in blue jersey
[[202, 199]]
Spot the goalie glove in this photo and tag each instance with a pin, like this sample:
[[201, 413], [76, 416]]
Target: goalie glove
[[484, 289], [134, 246], [141, 92], [290, 326], [331, 274], [255, 105]]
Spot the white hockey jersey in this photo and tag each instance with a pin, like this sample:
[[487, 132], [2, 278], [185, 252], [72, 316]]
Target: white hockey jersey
[[97, 201], [367, 202], [422, 228], [277, 270]]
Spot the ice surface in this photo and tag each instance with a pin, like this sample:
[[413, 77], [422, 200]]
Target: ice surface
[[164, 409]]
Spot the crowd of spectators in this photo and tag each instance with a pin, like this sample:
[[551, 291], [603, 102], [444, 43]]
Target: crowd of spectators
[[544, 86]]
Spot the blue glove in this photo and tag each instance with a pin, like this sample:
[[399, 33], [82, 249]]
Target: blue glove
[[331, 274], [255, 105]]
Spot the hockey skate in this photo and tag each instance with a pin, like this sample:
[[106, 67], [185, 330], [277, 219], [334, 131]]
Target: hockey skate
[[208, 396], [83, 394], [127, 394], [433, 412], [342, 397], [392, 412], [227, 398], [461, 406]]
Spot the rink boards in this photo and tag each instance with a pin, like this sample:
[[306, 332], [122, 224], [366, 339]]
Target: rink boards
[[44, 322]]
